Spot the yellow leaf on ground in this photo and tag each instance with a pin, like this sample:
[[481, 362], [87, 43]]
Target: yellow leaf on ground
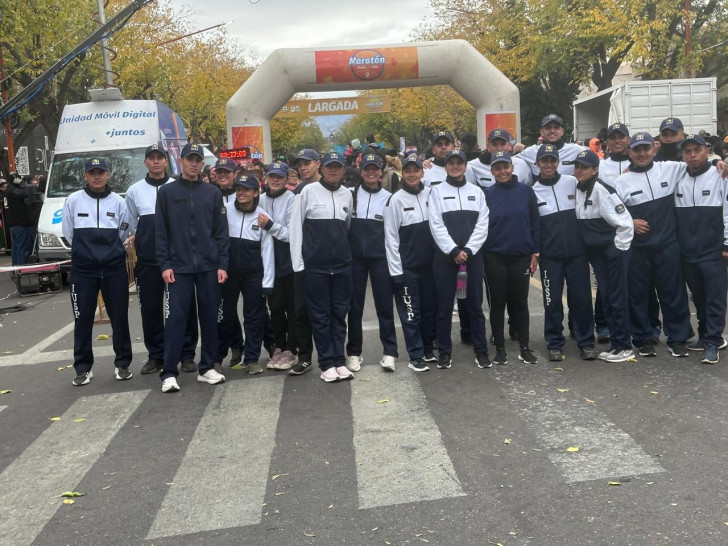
[[55, 418], [68, 501], [8, 352], [383, 401], [654, 392], [589, 400], [79, 420], [308, 534], [614, 483], [559, 369], [71, 494], [572, 449], [507, 441], [563, 390], [102, 337], [6, 391]]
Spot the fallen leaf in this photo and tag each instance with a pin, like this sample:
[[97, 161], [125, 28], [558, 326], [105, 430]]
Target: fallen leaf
[[375, 528], [632, 360], [308, 534], [507, 441], [276, 476], [102, 337], [6, 391], [72, 494], [559, 369], [331, 506], [79, 420], [55, 418], [673, 504], [383, 401], [278, 494], [424, 540], [614, 483], [8, 352], [107, 487], [169, 483], [654, 392], [563, 390], [649, 483], [589, 400], [572, 449], [68, 501]]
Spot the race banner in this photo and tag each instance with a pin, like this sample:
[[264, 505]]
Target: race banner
[[364, 104], [249, 136], [358, 65]]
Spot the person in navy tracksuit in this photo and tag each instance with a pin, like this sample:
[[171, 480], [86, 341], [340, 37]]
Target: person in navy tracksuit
[[607, 229], [701, 206], [193, 251], [562, 258], [366, 237], [319, 235], [277, 204], [141, 201], [95, 224], [511, 253], [459, 227], [409, 254], [251, 271], [647, 191]]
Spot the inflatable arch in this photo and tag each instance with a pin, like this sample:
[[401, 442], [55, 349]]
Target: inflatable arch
[[289, 71]]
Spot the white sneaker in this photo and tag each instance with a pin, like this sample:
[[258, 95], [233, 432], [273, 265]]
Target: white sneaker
[[170, 385], [330, 375], [211, 377], [387, 363], [344, 373], [604, 355], [353, 363], [620, 356]]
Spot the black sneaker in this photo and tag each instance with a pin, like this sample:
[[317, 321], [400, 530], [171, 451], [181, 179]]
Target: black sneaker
[[122, 373], [697, 345], [418, 365], [83, 378], [152, 366], [482, 360], [710, 354], [430, 357], [189, 365], [556, 355], [527, 356], [301, 368], [444, 362], [588, 353], [500, 356], [679, 351], [236, 357], [647, 350]]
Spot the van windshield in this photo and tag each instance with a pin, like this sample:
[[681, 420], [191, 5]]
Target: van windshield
[[125, 166]]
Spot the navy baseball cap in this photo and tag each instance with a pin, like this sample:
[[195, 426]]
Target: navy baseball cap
[[698, 139], [587, 158], [308, 154], [334, 157], [225, 164], [456, 152], [443, 134], [499, 134], [547, 150], [247, 181], [95, 163], [500, 157], [412, 158], [552, 118], [371, 159], [671, 124], [641, 138], [192, 149], [278, 168], [155, 148], [617, 128]]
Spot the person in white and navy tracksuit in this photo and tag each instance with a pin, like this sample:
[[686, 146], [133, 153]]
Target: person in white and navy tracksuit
[[511, 254], [647, 191], [701, 206], [251, 272], [95, 224], [277, 204], [192, 251], [442, 145], [479, 173], [319, 235], [369, 259], [552, 132], [141, 202], [562, 258], [459, 226], [409, 249], [607, 229]]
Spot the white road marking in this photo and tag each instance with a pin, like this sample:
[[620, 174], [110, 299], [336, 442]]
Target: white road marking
[[563, 419], [27, 358], [57, 461], [2, 407], [221, 482], [400, 455]]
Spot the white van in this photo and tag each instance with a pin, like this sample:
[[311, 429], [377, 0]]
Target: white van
[[118, 131]]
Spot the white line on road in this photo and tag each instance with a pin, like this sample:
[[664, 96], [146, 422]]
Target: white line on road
[[2, 407], [63, 355], [232, 446], [399, 450], [57, 461], [564, 420]]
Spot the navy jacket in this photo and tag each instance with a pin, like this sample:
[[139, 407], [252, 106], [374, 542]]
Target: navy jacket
[[603, 219], [192, 229], [407, 230], [515, 227], [560, 235]]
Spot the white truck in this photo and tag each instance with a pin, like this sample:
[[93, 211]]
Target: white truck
[[116, 130], [642, 105]]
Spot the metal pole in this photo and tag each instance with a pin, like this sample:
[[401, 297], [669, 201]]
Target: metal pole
[[8, 127], [108, 74]]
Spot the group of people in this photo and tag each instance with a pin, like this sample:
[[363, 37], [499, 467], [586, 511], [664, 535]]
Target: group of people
[[20, 203], [302, 259]]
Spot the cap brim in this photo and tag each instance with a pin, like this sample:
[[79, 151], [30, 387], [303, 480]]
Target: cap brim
[[277, 172]]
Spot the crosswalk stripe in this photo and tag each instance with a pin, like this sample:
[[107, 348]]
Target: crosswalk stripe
[[399, 451], [2, 407], [564, 419], [226, 487], [57, 461]]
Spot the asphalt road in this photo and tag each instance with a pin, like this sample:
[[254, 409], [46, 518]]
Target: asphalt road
[[459, 456]]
